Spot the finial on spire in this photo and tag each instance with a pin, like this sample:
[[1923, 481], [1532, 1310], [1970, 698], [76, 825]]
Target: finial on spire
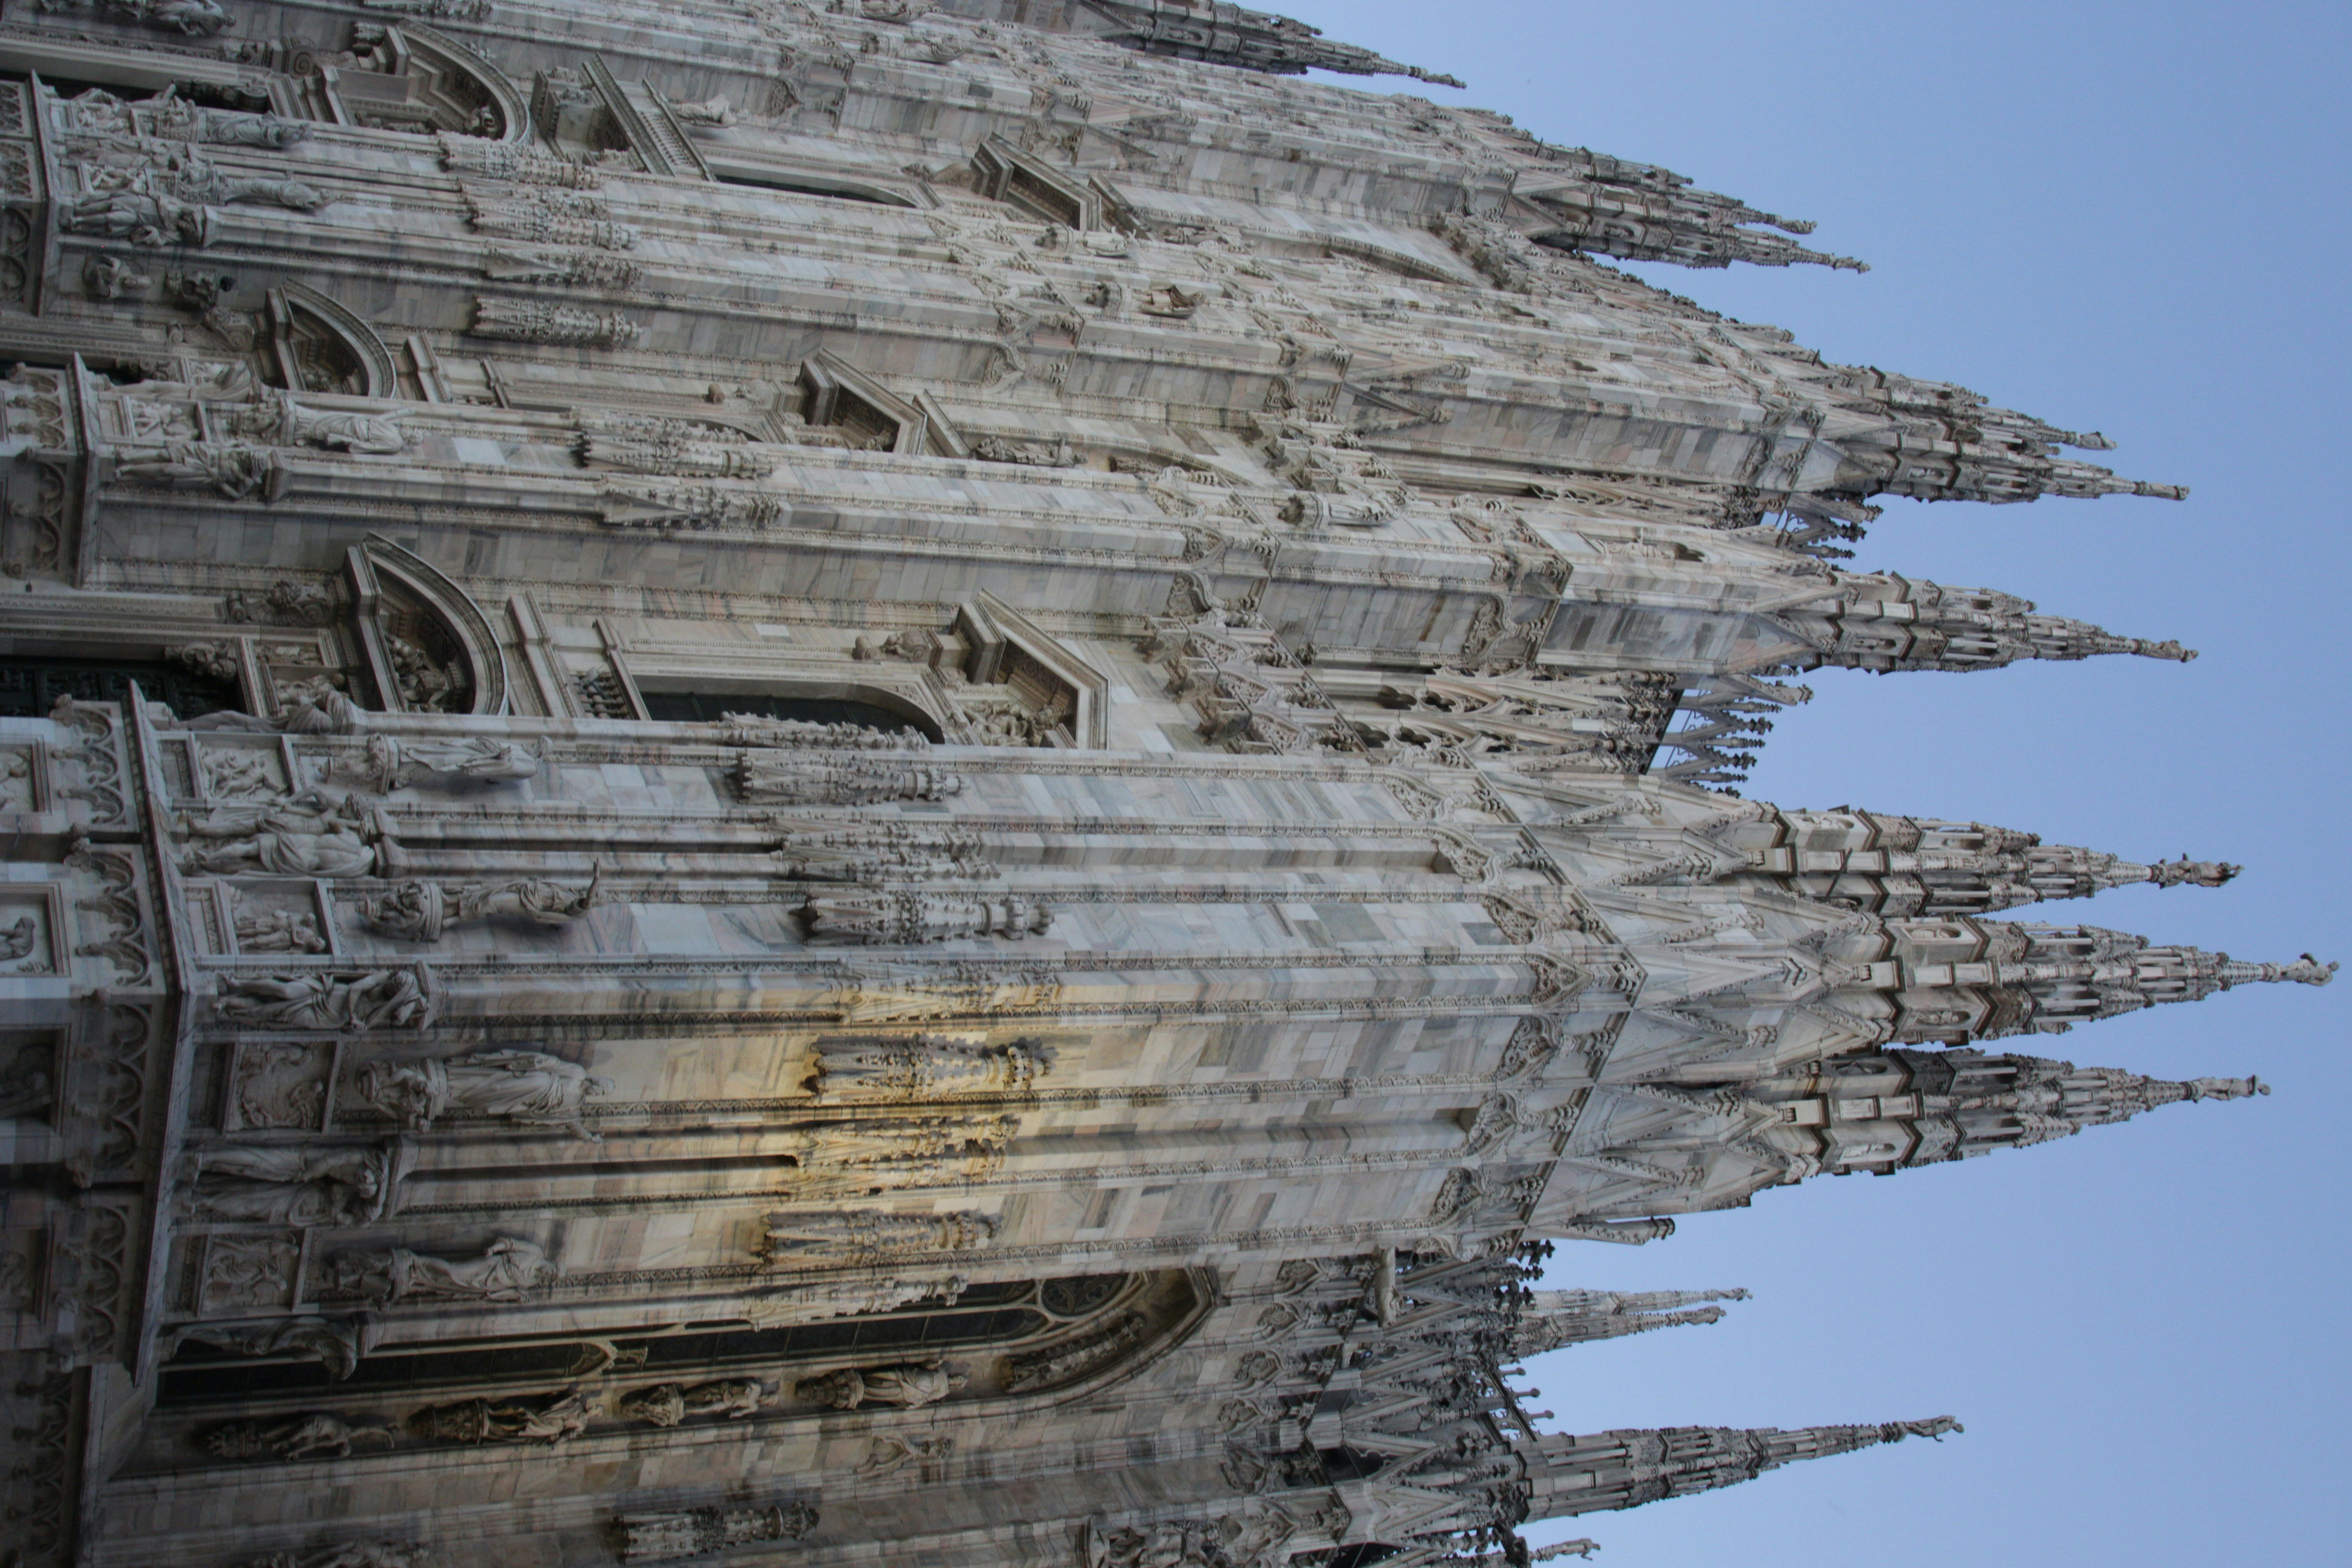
[[2224, 1088], [2304, 971], [2194, 873]]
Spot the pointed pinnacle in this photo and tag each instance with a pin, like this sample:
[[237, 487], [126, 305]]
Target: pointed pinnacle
[[2194, 873], [2223, 1087]]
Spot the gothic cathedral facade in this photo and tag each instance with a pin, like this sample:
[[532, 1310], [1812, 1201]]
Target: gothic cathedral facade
[[892, 783]]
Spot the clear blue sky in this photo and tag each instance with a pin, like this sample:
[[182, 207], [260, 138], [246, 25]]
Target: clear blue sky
[[2124, 218]]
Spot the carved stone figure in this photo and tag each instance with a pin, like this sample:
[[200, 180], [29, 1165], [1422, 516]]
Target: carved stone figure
[[883, 854], [111, 278], [288, 423], [537, 322], [196, 18], [509, 1269], [1056, 454], [280, 1084], [278, 931], [169, 116], [326, 712], [870, 1236], [525, 1088], [310, 1436], [419, 912], [393, 765], [917, 1067], [542, 264], [297, 1184], [551, 1419], [892, 1451], [313, 834], [896, 992], [780, 778], [758, 729], [907, 919], [701, 1531], [236, 471], [808, 1302], [145, 218], [907, 1386], [668, 1403], [288, 603], [705, 111], [327, 999], [334, 1343]]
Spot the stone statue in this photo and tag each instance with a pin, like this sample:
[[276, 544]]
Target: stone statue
[[327, 713], [869, 1237], [236, 471], [167, 114], [312, 1436], [779, 778], [145, 218], [327, 999], [111, 278], [919, 1066], [705, 111], [419, 912], [551, 1419], [333, 1342], [668, 1403], [17, 938], [393, 765], [196, 18], [288, 603], [893, 1451], [278, 930], [509, 1269], [525, 1088], [312, 834], [885, 853], [757, 730], [290, 1184], [240, 774], [287, 423], [907, 919], [1057, 454], [907, 1386]]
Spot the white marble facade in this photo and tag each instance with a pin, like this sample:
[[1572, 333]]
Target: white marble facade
[[899, 784]]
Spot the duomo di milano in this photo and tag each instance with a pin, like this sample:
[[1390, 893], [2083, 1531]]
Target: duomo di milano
[[894, 783]]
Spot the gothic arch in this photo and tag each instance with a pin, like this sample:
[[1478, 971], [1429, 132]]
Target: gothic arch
[[973, 1352], [454, 80], [317, 345], [432, 647]]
